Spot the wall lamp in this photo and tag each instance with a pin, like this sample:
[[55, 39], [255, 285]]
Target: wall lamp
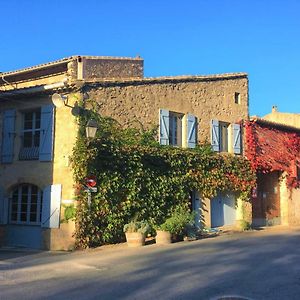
[[62, 100], [91, 128]]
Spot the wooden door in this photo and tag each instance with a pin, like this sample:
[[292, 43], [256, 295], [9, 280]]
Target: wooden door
[[267, 204]]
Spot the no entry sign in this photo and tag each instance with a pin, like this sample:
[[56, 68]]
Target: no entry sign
[[91, 181]]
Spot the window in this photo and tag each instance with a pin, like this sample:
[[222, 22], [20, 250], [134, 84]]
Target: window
[[226, 137], [26, 205], [37, 134], [175, 129], [223, 134], [237, 98], [31, 135]]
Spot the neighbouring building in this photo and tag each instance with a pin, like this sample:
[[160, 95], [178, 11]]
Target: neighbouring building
[[37, 138], [276, 116], [273, 147]]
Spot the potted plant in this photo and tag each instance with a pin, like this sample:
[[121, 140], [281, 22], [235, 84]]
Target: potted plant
[[135, 232], [175, 227]]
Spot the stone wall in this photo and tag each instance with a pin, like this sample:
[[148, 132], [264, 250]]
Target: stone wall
[[207, 98], [113, 68], [283, 118], [43, 174]]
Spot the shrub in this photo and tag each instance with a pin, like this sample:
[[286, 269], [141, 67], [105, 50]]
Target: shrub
[[179, 222], [136, 226], [244, 225]]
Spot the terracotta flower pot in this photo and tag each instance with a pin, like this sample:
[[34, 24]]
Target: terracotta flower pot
[[163, 237], [135, 239]]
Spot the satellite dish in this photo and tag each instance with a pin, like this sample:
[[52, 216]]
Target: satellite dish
[[59, 100]]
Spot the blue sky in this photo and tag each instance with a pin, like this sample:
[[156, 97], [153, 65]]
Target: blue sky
[[260, 37]]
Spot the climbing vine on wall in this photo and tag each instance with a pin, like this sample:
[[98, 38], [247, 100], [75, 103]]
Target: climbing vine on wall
[[139, 178], [272, 149]]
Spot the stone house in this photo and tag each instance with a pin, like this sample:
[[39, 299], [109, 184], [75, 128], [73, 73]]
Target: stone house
[[37, 138], [273, 147]]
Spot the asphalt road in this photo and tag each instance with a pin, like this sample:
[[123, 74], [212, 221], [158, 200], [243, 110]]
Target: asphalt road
[[256, 265]]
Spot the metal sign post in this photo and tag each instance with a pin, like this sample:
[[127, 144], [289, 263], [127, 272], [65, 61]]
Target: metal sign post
[[90, 188]]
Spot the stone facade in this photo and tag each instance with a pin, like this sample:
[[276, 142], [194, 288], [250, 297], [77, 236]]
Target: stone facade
[[43, 174], [113, 68], [138, 102], [208, 97], [283, 118], [118, 86], [289, 198]]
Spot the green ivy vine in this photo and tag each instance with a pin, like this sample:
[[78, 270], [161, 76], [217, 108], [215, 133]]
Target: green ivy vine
[[138, 177]]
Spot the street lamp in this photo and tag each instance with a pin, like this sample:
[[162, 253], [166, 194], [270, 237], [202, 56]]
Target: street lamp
[[91, 128]]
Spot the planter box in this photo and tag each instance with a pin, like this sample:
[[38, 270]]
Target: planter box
[[163, 237], [135, 239]]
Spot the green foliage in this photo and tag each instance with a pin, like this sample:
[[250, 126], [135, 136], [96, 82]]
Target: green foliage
[[69, 213], [136, 175], [179, 221], [244, 225], [137, 226]]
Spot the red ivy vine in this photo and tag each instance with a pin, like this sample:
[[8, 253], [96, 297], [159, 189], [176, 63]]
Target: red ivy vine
[[273, 148]]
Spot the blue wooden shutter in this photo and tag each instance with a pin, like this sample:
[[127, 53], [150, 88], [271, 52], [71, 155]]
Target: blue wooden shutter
[[215, 135], [191, 131], [8, 136], [164, 127], [51, 206], [237, 138], [3, 208], [47, 130]]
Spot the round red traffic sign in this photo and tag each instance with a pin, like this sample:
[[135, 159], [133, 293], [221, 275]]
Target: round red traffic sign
[[91, 181]]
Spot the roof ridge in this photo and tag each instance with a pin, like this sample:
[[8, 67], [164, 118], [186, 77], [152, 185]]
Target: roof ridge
[[66, 59], [268, 122]]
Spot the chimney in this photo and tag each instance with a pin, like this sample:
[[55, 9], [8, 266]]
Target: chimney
[[274, 108]]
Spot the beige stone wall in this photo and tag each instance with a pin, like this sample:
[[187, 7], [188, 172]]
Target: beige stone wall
[[43, 174], [39, 173], [65, 136], [113, 68], [284, 118], [140, 101], [294, 208], [289, 204]]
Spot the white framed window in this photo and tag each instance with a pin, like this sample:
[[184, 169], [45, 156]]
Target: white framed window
[[226, 137], [223, 136], [31, 134], [37, 134], [26, 205], [175, 129]]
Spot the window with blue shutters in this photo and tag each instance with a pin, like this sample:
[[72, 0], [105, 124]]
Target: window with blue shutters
[[175, 129], [47, 133], [191, 131], [51, 206], [164, 127], [174, 125], [215, 135], [26, 205], [224, 129], [226, 137], [31, 133], [237, 139], [8, 136]]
